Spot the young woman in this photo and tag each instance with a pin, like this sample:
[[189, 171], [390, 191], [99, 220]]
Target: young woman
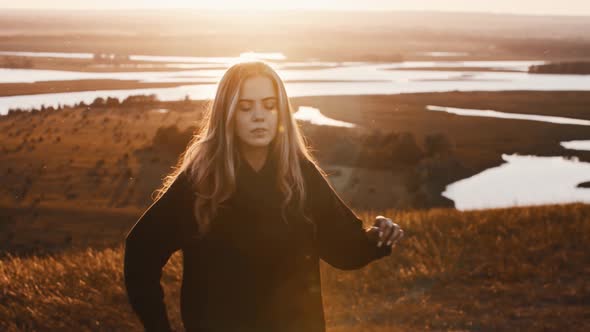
[[252, 213]]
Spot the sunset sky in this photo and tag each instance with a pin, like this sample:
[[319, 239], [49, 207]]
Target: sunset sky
[[537, 7]]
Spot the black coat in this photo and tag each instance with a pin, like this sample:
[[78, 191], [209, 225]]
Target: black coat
[[252, 272]]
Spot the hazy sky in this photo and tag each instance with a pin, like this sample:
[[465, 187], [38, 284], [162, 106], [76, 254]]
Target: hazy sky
[[564, 7]]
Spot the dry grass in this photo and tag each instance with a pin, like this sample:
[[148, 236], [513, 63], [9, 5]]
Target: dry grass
[[502, 269]]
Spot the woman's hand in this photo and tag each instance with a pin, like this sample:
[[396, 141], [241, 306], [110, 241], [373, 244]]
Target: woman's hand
[[385, 231]]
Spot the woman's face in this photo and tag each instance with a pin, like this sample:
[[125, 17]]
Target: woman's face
[[256, 115]]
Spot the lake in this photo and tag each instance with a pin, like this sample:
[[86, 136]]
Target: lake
[[320, 79]]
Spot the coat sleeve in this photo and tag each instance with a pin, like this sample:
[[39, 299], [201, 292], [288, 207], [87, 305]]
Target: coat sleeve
[[341, 238], [148, 246]]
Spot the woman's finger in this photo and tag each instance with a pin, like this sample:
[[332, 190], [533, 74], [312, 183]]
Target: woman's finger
[[379, 225], [380, 222], [386, 229], [398, 234], [393, 235]]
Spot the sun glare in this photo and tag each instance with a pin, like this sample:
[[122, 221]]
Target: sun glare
[[220, 4], [262, 56]]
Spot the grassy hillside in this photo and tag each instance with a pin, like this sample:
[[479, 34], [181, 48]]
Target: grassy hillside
[[80, 176], [490, 270]]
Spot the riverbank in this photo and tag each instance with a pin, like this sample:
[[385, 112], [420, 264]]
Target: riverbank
[[63, 62], [18, 89], [574, 67]]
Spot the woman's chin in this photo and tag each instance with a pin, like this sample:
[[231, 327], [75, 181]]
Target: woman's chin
[[258, 143]]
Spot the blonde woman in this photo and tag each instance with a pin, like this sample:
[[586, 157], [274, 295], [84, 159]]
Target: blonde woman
[[253, 213]]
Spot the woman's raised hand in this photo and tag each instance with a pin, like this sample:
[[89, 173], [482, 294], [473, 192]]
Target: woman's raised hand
[[385, 231]]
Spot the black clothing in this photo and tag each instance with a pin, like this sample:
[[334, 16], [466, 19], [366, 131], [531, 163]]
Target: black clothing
[[252, 272]]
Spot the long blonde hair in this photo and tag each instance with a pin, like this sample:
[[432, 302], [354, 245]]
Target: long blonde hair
[[210, 158]]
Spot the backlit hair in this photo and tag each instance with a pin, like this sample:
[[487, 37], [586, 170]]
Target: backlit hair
[[211, 155]]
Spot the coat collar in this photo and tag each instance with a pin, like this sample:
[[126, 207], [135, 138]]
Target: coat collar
[[244, 168]]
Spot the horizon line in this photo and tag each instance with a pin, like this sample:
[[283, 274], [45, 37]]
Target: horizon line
[[365, 10]]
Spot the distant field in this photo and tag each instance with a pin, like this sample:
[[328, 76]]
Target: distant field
[[343, 36], [492, 270]]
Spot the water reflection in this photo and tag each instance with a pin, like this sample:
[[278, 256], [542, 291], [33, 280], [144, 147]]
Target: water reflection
[[264, 56], [518, 182], [71, 98], [314, 116], [442, 54], [517, 65], [50, 55], [155, 58], [577, 145], [504, 115], [363, 79]]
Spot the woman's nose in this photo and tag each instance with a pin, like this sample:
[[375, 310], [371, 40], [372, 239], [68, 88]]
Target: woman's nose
[[258, 114]]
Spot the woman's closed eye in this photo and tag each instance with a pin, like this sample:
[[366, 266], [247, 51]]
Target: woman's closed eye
[[270, 104], [245, 105]]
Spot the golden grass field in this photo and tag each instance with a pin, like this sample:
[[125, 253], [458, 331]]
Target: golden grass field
[[513, 269]]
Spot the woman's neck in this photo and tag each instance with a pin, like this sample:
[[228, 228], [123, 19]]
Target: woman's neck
[[255, 156]]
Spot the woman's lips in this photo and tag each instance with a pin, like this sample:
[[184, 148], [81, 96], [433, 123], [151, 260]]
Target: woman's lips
[[258, 131]]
